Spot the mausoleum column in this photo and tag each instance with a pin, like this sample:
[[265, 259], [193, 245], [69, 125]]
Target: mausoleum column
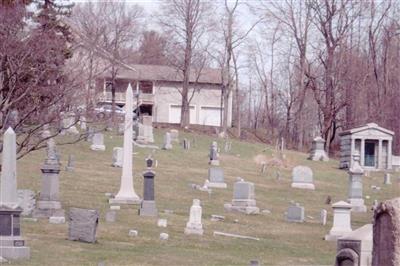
[[352, 150], [389, 155], [362, 151], [380, 166]]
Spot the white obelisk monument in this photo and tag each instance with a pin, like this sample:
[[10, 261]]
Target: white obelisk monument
[[127, 194], [8, 180]]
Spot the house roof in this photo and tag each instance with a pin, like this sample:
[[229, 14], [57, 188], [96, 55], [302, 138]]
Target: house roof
[[166, 73], [365, 127]]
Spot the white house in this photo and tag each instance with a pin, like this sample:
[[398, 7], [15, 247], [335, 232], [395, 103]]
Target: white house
[[158, 93]]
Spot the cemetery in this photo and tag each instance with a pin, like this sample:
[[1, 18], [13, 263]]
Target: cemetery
[[123, 234]]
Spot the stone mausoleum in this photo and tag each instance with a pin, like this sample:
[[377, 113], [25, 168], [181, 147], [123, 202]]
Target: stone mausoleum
[[372, 142]]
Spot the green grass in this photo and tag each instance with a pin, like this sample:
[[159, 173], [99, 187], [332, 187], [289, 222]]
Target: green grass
[[281, 243]]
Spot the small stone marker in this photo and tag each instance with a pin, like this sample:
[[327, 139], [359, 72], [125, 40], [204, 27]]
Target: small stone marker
[[217, 218], [341, 221], [117, 157], [295, 213], [148, 204], [263, 167], [217, 233], [318, 150], [194, 225], [167, 141], [186, 144], [355, 186], [386, 234], [89, 134], [98, 142], [70, 163], [324, 214], [133, 232], [243, 198], [216, 177], [83, 225], [355, 248], [302, 177], [254, 263], [111, 216], [57, 220], [164, 236], [115, 207], [162, 222], [387, 180]]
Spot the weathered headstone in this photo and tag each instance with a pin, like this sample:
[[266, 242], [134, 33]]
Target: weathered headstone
[[186, 144], [111, 216], [12, 245], [57, 219], [27, 201], [295, 213], [216, 177], [118, 157], [341, 221], [174, 135], [69, 122], [214, 154], [83, 225], [126, 193], [324, 214], [83, 123], [387, 178], [121, 128], [162, 222], [70, 163], [318, 150], [355, 186], [386, 234], [164, 236], [148, 204], [194, 225], [146, 130], [355, 248], [49, 203], [263, 167], [302, 177], [89, 134], [167, 141], [243, 198], [98, 142]]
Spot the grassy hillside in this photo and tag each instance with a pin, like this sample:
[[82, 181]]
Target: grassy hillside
[[281, 243]]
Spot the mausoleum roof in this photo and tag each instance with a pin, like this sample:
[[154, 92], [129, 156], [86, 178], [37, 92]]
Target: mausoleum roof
[[366, 127]]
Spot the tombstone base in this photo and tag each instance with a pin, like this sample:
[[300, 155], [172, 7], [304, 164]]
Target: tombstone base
[[319, 156], [357, 205], [47, 209], [303, 186], [131, 201], [194, 231], [119, 165], [69, 168], [148, 208], [243, 209], [214, 162], [13, 248], [216, 185], [335, 235], [97, 147], [167, 147]]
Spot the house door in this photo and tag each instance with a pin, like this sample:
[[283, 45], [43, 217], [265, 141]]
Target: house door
[[369, 154]]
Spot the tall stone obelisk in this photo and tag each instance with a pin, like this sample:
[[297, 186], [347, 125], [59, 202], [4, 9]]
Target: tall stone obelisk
[[127, 194], [12, 245]]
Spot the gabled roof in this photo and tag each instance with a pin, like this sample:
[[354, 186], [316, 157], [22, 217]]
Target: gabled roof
[[366, 127], [166, 73]]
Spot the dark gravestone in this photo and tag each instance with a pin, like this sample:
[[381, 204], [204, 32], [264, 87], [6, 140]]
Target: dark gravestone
[[83, 225], [386, 230], [148, 204], [5, 224]]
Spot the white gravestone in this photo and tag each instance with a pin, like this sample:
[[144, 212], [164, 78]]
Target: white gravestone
[[126, 193], [216, 178], [341, 221], [302, 177], [98, 142], [194, 225], [318, 150], [27, 201], [167, 141], [324, 214], [117, 158]]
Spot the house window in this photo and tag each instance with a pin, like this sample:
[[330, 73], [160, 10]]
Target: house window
[[146, 87]]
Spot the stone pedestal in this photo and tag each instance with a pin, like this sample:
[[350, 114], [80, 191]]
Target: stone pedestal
[[216, 178], [148, 204], [12, 245], [356, 187], [98, 142], [341, 221], [243, 198], [355, 248], [318, 150], [194, 225], [302, 177]]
